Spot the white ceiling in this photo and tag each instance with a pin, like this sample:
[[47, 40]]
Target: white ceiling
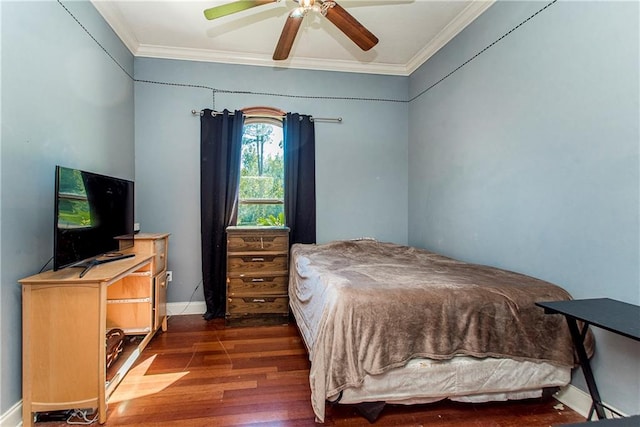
[[410, 31]]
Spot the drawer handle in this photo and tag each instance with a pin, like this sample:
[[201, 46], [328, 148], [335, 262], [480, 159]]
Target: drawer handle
[[258, 300], [257, 259], [257, 280]]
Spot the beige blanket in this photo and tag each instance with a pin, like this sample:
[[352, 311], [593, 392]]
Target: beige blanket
[[383, 304]]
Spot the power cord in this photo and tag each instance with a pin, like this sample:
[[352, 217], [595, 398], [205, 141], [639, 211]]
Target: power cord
[[82, 415], [190, 301], [45, 265]]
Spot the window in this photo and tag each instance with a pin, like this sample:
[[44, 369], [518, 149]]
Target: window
[[261, 193]]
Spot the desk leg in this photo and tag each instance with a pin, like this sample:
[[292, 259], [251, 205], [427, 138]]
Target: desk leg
[[586, 367], [27, 415], [102, 413]]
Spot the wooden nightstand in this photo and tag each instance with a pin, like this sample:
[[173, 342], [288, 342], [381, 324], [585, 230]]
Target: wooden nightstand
[[257, 276]]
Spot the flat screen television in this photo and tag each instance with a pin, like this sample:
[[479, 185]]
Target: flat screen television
[[93, 218]]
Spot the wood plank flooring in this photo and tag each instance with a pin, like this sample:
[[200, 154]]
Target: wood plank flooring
[[202, 374]]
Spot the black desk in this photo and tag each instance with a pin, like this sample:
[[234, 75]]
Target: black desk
[[615, 316], [633, 421]]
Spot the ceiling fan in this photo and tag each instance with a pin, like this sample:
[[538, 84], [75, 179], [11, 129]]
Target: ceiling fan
[[328, 8]]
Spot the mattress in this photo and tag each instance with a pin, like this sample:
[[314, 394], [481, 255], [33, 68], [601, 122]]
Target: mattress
[[462, 378]]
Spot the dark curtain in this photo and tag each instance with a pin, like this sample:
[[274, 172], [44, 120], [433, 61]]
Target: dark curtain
[[220, 151], [300, 178]]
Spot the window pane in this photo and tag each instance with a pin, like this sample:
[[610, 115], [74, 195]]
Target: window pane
[[262, 175], [267, 214]]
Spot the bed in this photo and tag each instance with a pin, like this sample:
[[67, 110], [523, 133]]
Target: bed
[[386, 323]]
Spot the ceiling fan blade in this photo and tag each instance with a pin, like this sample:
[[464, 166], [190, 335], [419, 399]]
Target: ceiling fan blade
[[236, 6], [288, 35], [351, 27]]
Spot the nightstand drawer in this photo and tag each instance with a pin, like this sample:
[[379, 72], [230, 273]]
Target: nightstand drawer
[[257, 285], [241, 242], [257, 263], [257, 305]]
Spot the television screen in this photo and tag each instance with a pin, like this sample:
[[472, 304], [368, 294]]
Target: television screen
[[93, 216]]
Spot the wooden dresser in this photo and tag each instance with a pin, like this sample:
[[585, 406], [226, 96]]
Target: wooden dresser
[[257, 276], [65, 318]]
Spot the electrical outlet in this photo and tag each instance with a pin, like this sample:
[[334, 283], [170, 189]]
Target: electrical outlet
[[169, 276]]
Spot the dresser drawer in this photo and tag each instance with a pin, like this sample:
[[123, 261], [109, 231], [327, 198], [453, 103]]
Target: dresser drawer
[[257, 285], [257, 263], [248, 242], [257, 305], [160, 258], [152, 244]]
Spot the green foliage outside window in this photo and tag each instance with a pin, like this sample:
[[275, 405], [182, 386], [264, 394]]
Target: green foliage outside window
[[261, 175], [272, 220]]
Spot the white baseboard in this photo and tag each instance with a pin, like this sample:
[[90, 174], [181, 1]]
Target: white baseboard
[[180, 308], [13, 417], [580, 401]]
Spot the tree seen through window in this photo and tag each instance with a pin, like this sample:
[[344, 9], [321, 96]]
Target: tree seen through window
[[261, 192]]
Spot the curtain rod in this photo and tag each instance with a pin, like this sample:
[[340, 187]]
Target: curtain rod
[[265, 116]]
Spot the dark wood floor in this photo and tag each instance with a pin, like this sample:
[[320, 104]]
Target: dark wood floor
[[202, 374]]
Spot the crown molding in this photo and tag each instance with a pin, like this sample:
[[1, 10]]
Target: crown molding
[[117, 23], [206, 55], [459, 23]]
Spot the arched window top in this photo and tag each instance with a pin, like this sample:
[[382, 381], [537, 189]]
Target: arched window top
[[261, 191], [262, 114]]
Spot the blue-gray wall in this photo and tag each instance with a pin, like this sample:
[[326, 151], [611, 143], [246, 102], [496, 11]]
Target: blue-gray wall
[[64, 101], [361, 164], [527, 158]]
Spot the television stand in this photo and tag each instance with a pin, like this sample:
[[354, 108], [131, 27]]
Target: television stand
[[109, 258], [65, 319]]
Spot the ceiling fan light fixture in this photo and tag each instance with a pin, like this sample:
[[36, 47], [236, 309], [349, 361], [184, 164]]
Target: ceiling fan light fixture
[[326, 5], [307, 4], [298, 12], [315, 5]]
